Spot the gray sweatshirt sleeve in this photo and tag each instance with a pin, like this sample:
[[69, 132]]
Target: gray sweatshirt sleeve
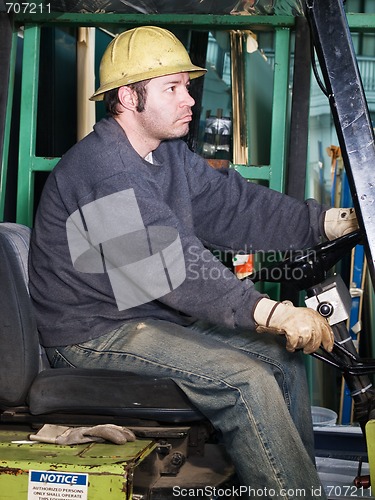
[[218, 209], [209, 290], [231, 213]]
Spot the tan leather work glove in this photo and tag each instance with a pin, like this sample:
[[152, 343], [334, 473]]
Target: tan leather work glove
[[63, 435], [339, 221], [303, 328]]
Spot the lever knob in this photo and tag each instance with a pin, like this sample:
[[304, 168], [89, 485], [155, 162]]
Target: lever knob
[[325, 309]]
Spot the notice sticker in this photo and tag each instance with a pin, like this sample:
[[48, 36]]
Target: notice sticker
[[53, 485]]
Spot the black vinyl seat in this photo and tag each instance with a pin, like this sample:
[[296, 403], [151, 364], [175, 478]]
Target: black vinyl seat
[[31, 390]]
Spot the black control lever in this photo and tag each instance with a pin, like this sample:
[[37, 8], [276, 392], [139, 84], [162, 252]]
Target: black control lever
[[310, 265]]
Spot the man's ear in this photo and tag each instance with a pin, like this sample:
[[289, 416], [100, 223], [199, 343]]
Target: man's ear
[[127, 98]]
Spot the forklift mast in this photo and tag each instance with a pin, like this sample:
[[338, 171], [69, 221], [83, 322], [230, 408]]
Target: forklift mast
[[343, 87]]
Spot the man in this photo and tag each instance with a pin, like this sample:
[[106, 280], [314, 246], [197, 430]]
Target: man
[[121, 275]]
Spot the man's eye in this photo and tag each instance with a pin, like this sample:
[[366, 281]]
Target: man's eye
[[171, 89]]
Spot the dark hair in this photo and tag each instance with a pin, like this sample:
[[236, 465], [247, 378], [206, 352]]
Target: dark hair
[[111, 99]]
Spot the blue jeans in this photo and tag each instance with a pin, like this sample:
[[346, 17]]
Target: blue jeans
[[246, 383]]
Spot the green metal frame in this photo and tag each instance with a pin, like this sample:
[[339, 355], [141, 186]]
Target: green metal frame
[[29, 163], [275, 173], [5, 154]]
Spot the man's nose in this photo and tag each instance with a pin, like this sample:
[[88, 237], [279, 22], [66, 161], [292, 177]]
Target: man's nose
[[188, 99]]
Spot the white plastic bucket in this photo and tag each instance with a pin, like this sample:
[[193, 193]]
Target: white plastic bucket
[[323, 416]]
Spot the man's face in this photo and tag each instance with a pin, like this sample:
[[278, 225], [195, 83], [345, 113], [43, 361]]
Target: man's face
[[167, 111]]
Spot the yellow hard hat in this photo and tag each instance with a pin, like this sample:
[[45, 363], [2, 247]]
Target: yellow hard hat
[[142, 53]]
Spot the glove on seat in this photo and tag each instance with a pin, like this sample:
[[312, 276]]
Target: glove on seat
[[60, 434]]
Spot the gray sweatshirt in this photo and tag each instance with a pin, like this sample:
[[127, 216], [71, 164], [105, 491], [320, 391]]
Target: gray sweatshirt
[[195, 207]]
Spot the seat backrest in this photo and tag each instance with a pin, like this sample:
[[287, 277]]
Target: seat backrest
[[19, 342]]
